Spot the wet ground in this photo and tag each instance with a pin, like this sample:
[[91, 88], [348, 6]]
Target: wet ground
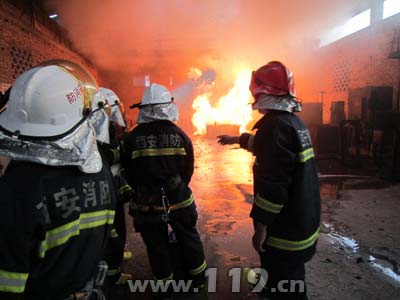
[[359, 248]]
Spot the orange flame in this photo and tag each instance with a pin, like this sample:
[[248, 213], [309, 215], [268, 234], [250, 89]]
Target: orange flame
[[232, 108]]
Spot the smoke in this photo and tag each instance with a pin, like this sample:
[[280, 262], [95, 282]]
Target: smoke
[[129, 39], [187, 91]]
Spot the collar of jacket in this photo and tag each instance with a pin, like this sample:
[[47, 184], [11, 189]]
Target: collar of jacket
[[269, 115]]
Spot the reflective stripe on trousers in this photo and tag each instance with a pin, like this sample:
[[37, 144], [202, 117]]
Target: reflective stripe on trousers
[[293, 245], [198, 270]]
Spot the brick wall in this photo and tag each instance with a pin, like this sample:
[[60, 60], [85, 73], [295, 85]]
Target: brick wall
[[356, 61], [25, 43]]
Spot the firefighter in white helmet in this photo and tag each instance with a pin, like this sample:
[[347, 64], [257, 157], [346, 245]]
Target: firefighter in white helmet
[[286, 209], [115, 103], [159, 164], [57, 198], [100, 120], [4, 161], [117, 131]]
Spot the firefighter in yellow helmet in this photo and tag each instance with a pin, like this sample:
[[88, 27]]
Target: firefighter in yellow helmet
[[57, 197], [286, 209]]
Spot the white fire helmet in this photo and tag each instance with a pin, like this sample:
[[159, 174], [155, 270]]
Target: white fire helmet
[[100, 117], [156, 94], [85, 77], [115, 103], [157, 104], [45, 120], [111, 97], [99, 101], [45, 101]]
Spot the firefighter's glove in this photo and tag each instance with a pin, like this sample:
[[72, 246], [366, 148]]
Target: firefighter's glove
[[228, 139], [126, 197], [259, 237]]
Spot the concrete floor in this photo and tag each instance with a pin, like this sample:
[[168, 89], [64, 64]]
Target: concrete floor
[[358, 253]]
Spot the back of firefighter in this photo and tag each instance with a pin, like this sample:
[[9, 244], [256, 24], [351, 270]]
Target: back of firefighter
[[286, 209], [57, 197], [118, 131], [100, 120], [159, 163], [4, 161]]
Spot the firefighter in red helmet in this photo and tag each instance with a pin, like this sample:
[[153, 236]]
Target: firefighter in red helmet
[[286, 209]]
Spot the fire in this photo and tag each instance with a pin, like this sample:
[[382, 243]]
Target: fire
[[232, 108]]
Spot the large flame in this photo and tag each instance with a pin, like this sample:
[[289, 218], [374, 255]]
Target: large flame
[[232, 108]]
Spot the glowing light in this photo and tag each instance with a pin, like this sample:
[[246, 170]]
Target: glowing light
[[358, 22], [232, 108], [53, 16], [391, 8], [194, 73]]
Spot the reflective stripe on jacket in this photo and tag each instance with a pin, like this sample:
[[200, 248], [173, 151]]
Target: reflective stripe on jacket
[[286, 187], [158, 156], [53, 230]]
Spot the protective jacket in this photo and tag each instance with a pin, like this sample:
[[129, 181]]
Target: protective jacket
[[286, 188], [53, 230], [116, 244], [159, 156]]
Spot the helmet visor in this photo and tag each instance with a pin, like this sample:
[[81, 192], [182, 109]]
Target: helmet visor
[[89, 84]]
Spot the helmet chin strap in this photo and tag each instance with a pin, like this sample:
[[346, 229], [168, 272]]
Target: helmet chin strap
[[139, 105]]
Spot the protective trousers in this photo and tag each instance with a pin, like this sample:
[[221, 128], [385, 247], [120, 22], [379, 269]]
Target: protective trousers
[[155, 236], [286, 278], [115, 247]]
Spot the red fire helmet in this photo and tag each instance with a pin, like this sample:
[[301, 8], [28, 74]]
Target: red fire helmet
[[272, 79]]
